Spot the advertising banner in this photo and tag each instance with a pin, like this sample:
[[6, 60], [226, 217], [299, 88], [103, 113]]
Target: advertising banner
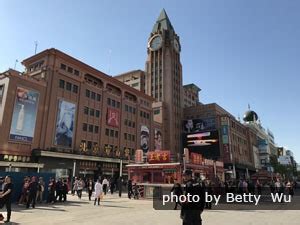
[[145, 138], [65, 124], [113, 117], [198, 125], [139, 156], [196, 158], [205, 143], [24, 115], [158, 157], [157, 139]]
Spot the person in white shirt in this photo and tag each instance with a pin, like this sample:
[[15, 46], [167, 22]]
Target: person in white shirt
[[105, 185], [98, 192]]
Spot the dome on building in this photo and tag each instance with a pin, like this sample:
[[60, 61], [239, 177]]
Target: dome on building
[[250, 116]]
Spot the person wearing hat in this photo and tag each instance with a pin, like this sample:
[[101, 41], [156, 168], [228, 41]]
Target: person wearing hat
[[191, 211]]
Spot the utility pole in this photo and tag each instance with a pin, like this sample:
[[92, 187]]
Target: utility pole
[[35, 46]]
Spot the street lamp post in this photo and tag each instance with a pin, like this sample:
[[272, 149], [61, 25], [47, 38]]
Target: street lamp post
[[120, 178]]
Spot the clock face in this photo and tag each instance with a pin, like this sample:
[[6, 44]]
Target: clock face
[[176, 46], [155, 43]]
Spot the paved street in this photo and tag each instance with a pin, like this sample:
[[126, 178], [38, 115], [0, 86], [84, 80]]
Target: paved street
[[115, 211]]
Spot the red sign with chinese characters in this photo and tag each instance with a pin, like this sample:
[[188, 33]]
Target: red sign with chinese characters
[[139, 156], [159, 157], [196, 158], [113, 117]]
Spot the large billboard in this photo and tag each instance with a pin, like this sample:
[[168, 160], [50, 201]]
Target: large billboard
[[65, 123], [24, 115], [199, 125], [113, 117], [145, 138], [157, 139], [205, 143]]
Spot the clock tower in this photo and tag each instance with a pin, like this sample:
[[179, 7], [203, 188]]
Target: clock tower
[[164, 80]]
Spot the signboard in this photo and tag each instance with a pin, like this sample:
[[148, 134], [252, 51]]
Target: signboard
[[199, 125], [113, 117], [196, 158], [204, 143], [24, 115], [226, 153], [65, 124], [158, 157]]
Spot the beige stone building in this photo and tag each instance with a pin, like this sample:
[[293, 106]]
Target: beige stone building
[[190, 95], [134, 78]]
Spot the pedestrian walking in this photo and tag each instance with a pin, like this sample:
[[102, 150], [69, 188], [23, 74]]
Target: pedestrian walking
[[105, 185], [129, 189], [191, 211], [64, 190], [98, 192], [41, 189], [51, 191], [90, 187], [32, 191], [6, 197]]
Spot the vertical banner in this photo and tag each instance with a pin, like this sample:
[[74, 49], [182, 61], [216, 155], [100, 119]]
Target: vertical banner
[[24, 115], [157, 139], [225, 139], [113, 117], [144, 138], [65, 124]]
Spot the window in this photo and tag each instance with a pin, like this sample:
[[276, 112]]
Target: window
[[126, 122], [129, 137], [98, 97], [70, 69], [130, 109], [129, 123], [63, 66], [62, 84], [135, 85], [1, 92], [118, 104], [84, 127], [133, 124], [116, 134], [108, 101], [69, 86], [97, 113], [87, 93], [106, 132], [156, 111], [125, 136], [133, 138], [92, 112], [96, 129], [113, 103], [126, 108], [91, 128], [111, 133], [75, 89], [76, 72], [133, 110], [86, 110], [93, 95]]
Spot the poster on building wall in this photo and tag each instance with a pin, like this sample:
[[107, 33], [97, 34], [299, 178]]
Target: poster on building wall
[[157, 139], [113, 117], [145, 138], [24, 115], [198, 125], [65, 123]]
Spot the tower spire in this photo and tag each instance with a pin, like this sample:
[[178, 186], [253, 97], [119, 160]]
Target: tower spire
[[163, 22]]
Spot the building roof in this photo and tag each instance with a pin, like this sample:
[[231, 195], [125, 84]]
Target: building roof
[[128, 73], [192, 86], [162, 23]]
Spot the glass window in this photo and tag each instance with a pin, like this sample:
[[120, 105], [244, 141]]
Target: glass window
[[106, 132], [63, 66], [93, 95], [91, 128], [62, 84], [118, 104], [69, 86], [96, 129], [87, 93], [108, 101], [92, 112], [84, 127], [133, 110], [113, 103], [76, 72], [89, 145], [126, 108], [70, 69], [98, 97], [133, 124], [97, 113], [75, 89], [133, 138], [111, 133], [130, 109], [125, 136], [86, 110], [116, 134]]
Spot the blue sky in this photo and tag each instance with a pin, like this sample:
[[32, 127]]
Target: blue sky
[[238, 52]]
